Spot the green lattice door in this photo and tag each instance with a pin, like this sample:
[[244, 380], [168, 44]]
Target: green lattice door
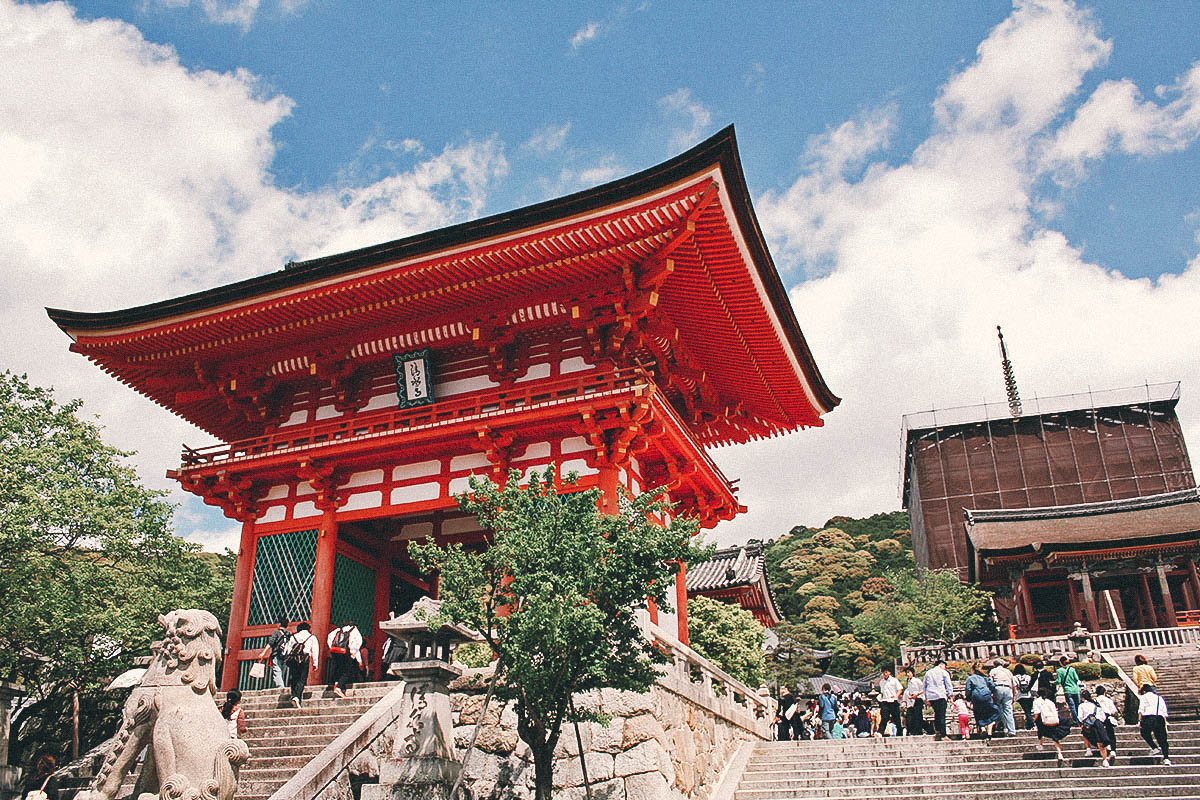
[[283, 577], [353, 594]]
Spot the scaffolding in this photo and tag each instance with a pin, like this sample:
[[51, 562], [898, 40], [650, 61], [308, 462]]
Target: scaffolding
[[1068, 449]]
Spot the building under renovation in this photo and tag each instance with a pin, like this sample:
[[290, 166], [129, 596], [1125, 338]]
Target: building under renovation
[[1083, 509]]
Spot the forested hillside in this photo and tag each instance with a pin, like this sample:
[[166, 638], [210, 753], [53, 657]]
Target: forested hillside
[[852, 587]]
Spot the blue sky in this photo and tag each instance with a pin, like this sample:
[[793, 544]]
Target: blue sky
[[366, 77], [923, 171]]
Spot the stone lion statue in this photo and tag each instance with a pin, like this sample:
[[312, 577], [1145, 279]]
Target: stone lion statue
[[173, 710]]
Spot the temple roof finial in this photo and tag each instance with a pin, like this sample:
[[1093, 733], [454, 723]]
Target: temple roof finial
[[1010, 380]]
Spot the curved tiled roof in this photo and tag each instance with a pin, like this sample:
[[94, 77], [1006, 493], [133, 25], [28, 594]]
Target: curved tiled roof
[[733, 566], [736, 568]]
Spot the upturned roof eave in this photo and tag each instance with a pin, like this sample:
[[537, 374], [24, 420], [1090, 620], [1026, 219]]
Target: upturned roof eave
[[720, 150]]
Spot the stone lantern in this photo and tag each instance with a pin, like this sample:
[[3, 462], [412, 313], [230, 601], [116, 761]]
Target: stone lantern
[[422, 762], [1080, 641]]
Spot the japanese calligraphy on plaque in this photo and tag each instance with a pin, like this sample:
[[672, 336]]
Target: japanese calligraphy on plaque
[[414, 378]]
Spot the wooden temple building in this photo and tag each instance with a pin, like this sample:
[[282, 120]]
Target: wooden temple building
[[737, 575], [618, 332], [1084, 511]]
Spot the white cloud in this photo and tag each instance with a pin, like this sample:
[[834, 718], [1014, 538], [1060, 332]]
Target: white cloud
[[755, 77], [585, 35], [851, 143], [912, 265], [690, 116], [129, 179], [240, 13], [1116, 118], [548, 139]]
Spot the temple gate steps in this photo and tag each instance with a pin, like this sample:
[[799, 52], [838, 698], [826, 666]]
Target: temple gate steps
[[1002, 769], [1178, 676], [282, 739]]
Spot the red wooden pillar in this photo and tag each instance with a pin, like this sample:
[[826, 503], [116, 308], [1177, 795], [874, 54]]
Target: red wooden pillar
[[239, 607], [1027, 599], [1168, 603], [383, 591], [652, 609], [1089, 601], [1073, 611], [1194, 579], [606, 482], [681, 600], [322, 600], [1149, 620]]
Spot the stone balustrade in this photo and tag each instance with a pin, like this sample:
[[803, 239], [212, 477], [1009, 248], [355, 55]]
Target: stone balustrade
[[1104, 641]]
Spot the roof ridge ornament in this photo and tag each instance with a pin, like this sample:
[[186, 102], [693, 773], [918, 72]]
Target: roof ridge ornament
[[1010, 379]]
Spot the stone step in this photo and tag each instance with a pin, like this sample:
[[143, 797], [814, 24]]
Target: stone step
[[302, 729], [1065, 787], [287, 750], [828, 749], [1137, 756], [952, 764], [1089, 770]]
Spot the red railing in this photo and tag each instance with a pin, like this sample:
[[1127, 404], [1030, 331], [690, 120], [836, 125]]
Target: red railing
[[1188, 619], [483, 404]]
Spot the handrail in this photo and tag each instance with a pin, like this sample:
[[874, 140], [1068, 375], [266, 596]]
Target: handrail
[[758, 710], [1139, 638], [484, 403], [1124, 676], [977, 651], [339, 754], [1126, 639]]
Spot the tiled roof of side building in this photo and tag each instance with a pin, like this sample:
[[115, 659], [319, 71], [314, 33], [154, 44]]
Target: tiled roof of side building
[[732, 566]]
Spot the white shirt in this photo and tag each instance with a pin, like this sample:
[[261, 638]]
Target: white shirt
[[1087, 708], [1043, 708], [915, 689], [306, 640], [1152, 706], [937, 684], [354, 646], [1107, 705], [889, 690], [1002, 677]]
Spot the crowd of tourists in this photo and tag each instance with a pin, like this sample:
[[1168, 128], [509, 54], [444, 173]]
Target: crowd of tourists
[[292, 656], [929, 704]]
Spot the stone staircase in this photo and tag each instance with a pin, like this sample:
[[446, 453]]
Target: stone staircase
[[282, 739], [1001, 769], [1178, 676]]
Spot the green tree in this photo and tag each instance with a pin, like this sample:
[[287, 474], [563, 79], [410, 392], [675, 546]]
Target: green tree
[[555, 595], [921, 607], [87, 562], [792, 660], [730, 637]]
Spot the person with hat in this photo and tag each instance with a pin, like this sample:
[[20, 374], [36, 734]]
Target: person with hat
[[1004, 694]]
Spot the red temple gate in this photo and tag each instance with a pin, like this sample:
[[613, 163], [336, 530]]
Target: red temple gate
[[617, 332]]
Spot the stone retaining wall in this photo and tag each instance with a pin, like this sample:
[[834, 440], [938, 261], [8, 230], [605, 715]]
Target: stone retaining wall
[[671, 742]]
